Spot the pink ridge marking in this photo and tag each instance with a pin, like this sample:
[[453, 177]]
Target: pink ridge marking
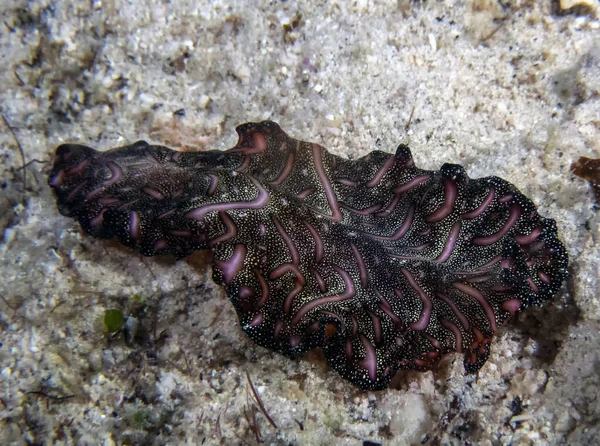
[[506, 198], [530, 262], [354, 325], [515, 213], [501, 288], [78, 168], [166, 214], [246, 292], [75, 191], [321, 282], [434, 342], [153, 193], [257, 320], [288, 241], [544, 277], [108, 200], [261, 229], [116, 173], [212, 186], [370, 360], [450, 243], [230, 229], [259, 145], [511, 305], [278, 327], [134, 225], [177, 193], [295, 340], [532, 285], [348, 350], [336, 214], [179, 233], [381, 172], [457, 334], [305, 193], [289, 164], [346, 182], [422, 247], [387, 309], [507, 263], [319, 246], [423, 320], [479, 279], [480, 269], [450, 193], [242, 168], [232, 266], [289, 299], [376, 326], [348, 293], [126, 205], [160, 244], [528, 239], [264, 289], [401, 231], [411, 184], [459, 315], [390, 207], [98, 219], [282, 269], [482, 207], [366, 211], [57, 179], [362, 267], [259, 202], [476, 294]]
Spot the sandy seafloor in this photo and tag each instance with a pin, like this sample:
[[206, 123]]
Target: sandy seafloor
[[507, 88]]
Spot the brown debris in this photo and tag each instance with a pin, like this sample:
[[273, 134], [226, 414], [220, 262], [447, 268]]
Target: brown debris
[[589, 169]]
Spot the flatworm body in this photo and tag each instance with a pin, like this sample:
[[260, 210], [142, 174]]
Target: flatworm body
[[382, 265]]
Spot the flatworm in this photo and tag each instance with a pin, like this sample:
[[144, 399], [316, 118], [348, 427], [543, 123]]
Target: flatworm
[[382, 265]]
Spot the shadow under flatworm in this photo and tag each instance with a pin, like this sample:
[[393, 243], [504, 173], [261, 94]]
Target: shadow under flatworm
[[382, 265]]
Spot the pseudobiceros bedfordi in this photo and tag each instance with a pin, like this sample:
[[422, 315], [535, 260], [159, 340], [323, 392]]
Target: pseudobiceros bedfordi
[[382, 265]]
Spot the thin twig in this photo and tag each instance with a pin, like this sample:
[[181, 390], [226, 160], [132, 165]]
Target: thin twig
[[20, 150], [259, 402], [47, 395], [412, 112], [255, 424]]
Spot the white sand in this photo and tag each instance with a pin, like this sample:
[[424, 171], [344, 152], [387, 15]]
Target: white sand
[[509, 90]]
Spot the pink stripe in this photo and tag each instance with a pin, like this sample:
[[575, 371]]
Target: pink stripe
[[362, 268], [230, 229], [370, 361], [423, 321], [457, 334], [473, 292], [232, 266], [153, 193], [381, 172], [411, 184], [528, 239], [348, 293], [450, 192], [336, 214], [401, 231], [461, 317], [289, 164], [515, 213], [319, 247], [260, 202], [481, 209], [450, 243]]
